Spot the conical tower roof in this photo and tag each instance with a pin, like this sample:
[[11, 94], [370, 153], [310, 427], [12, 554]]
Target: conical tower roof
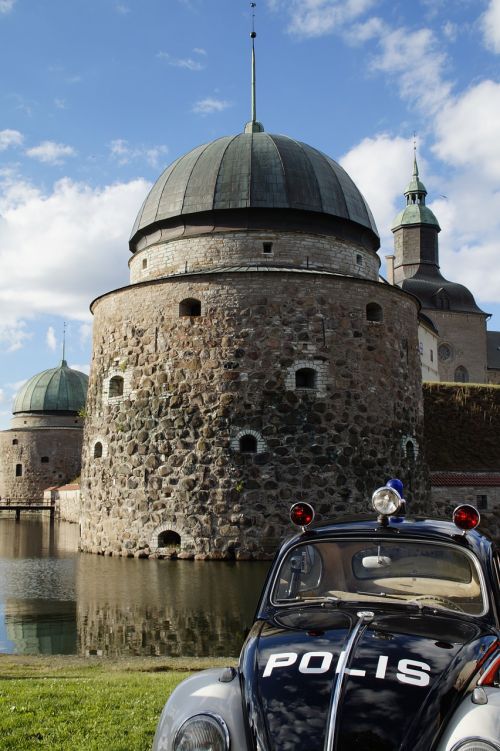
[[415, 211]]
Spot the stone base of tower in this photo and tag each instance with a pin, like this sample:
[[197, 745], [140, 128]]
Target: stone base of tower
[[204, 429]]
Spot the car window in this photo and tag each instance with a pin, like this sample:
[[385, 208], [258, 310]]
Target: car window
[[434, 574]]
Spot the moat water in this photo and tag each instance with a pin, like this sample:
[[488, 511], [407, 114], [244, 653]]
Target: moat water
[[55, 600]]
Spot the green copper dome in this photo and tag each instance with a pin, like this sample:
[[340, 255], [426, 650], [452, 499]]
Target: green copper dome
[[253, 172], [59, 389]]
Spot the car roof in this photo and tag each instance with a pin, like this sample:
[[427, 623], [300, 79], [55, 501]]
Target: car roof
[[437, 530]]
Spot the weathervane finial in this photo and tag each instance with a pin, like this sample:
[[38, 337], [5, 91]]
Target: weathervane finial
[[64, 343], [253, 126], [415, 165]]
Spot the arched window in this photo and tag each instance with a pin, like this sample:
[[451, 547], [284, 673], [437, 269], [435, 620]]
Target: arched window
[[305, 378], [374, 312], [19, 470], [116, 386], [410, 451], [169, 539], [44, 459], [461, 374], [248, 444], [97, 450], [190, 307]]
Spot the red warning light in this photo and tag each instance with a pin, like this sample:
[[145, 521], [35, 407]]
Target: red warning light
[[466, 517], [302, 514]]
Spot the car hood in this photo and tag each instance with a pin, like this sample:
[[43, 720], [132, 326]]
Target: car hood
[[405, 674]]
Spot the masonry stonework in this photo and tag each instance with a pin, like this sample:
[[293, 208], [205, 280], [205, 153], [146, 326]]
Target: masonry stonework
[[197, 382]]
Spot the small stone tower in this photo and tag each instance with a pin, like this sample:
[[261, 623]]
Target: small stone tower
[[451, 307], [44, 444]]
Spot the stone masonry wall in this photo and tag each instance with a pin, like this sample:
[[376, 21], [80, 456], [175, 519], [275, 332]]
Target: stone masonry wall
[[465, 335], [27, 448], [197, 382], [228, 249]]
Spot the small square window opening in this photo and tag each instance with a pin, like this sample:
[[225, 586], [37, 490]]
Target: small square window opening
[[267, 248]]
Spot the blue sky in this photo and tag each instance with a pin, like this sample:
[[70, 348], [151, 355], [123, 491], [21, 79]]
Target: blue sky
[[98, 96]]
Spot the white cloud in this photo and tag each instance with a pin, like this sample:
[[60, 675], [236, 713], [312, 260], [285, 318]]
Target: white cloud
[[491, 26], [60, 104], [467, 130], [381, 167], [2, 396], [451, 31], [123, 153], [51, 339], [405, 52], [199, 51], [183, 62], [314, 18], [10, 138], [209, 105], [50, 152], [85, 332], [83, 232], [122, 9], [6, 5]]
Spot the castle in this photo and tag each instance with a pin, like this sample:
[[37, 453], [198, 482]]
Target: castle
[[255, 359]]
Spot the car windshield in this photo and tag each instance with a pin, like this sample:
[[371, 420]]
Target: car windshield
[[433, 574]]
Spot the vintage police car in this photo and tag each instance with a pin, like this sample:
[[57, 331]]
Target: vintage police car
[[379, 635]]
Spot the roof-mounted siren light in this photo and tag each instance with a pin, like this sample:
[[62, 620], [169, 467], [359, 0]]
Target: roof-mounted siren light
[[466, 517], [388, 500], [302, 514]]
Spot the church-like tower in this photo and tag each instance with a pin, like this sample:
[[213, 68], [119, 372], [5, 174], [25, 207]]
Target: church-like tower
[[451, 307]]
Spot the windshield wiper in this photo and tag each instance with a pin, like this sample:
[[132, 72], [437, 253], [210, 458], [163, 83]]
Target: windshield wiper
[[327, 599]]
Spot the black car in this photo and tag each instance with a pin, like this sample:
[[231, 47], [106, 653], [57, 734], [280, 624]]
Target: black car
[[380, 634]]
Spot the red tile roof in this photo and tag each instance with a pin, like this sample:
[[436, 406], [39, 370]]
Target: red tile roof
[[465, 479]]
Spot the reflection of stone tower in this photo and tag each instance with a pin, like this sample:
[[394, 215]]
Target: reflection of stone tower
[[461, 324], [43, 446], [255, 358]]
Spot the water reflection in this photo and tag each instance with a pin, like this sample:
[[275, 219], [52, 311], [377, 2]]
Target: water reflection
[[54, 600]]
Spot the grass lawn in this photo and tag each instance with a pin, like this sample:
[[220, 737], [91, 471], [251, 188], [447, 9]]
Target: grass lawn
[[72, 704]]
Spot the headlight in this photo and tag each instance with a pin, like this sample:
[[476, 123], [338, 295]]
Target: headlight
[[473, 744], [203, 732], [386, 501]]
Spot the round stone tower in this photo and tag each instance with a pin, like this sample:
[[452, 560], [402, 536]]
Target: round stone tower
[[44, 445], [254, 360]]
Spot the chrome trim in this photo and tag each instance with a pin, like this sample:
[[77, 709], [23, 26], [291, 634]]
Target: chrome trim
[[475, 739], [364, 616], [213, 716]]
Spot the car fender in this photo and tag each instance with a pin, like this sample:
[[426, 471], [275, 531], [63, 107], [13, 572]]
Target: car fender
[[474, 721], [208, 692]]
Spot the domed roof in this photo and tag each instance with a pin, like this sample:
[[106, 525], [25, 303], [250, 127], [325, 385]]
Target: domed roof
[[60, 389], [437, 293], [253, 171]]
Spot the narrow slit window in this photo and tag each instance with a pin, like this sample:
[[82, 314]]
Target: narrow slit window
[[144, 263], [19, 470], [98, 450]]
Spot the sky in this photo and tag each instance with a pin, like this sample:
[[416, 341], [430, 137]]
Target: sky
[[97, 97]]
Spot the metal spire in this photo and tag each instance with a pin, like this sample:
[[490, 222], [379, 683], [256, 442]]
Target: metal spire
[[415, 165], [253, 126], [64, 345]]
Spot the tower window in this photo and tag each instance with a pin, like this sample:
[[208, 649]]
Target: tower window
[[19, 470], [305, 378], [116, 386], [482, 502], [359, 259], [15, 442], [248, 444], [461, 374], [267, 247], [44, 459], [98, 450], [190, 307], [169, 539], [144, 263], [374, 312]]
